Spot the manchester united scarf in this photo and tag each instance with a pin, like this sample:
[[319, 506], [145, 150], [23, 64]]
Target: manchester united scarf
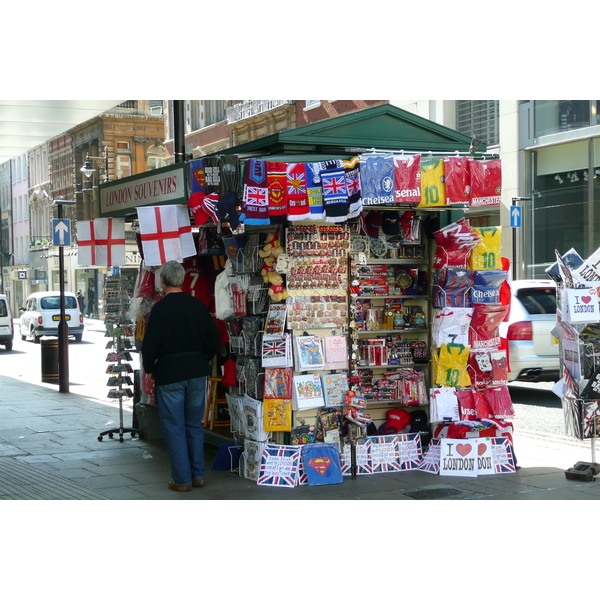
[[276, 181]]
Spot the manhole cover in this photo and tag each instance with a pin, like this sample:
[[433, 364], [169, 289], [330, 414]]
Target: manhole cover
[[433, 494]]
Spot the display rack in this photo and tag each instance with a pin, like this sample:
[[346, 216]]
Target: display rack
[[120, 331]]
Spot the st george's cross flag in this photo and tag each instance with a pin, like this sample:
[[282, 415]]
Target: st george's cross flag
[[101, 242], [166, 234]]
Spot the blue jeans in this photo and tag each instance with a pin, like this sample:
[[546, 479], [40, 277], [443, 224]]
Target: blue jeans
[[181, 412]]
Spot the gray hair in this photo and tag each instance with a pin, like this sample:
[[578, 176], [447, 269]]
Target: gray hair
[[172, 274]]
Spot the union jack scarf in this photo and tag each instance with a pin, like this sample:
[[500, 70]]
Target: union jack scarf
[[255, 209], [335, 195]]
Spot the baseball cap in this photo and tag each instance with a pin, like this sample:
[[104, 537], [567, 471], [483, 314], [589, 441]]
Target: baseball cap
[[390, 224]]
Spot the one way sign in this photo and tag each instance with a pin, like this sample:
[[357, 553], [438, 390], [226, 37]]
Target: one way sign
[[516, 213], [61, 232]]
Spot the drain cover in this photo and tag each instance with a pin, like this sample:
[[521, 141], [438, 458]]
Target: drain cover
[[434, 493]]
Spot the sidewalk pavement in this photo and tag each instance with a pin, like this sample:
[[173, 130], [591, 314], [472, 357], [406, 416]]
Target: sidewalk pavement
[[49, 450]]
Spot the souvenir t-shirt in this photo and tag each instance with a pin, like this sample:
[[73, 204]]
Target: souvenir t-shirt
[[407, 179], [485, 255], [433, 188], [377, 179], [457, 178], [450, 365]]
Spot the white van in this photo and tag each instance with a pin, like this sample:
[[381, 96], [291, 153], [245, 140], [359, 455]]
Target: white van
[[6, 324], [41, 314]]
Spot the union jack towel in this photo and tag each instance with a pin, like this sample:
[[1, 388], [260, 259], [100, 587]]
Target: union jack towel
[[279, 466]]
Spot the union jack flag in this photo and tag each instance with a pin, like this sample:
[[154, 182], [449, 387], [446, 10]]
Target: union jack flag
[[352, 183], [385, 454], [503, 455], [334, 184], [364, 464], [296, 183], [431, 459], [279, 466], [275, 347], [256, 196], [411, 452]]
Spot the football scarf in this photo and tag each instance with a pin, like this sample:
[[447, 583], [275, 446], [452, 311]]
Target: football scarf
[[255, 198], [377, 179], [486, 182], [196, 176], [352, 174], [457, 177], [212, 175], [296, 192], [407, 179], [335, 195], [314, 191], [276, 183], [229, 174]]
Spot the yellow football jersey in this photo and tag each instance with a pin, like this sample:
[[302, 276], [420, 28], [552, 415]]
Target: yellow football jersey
[[450, 365], [485, 256], [433, 187]]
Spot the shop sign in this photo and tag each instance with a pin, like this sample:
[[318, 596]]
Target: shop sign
[[161, 186]]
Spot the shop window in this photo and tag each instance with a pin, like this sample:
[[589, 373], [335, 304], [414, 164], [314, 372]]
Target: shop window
[[479, 118]]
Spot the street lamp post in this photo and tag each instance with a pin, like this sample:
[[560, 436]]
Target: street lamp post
[[63, 327]]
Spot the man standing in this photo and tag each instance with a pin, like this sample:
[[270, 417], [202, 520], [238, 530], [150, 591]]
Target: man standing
[[81, 302], [180, 340]]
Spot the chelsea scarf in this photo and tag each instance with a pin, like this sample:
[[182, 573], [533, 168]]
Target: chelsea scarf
[[297, 195], [314, 191], [255, 200], [276, 180]]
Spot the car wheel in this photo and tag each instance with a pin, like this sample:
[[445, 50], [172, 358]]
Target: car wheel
[[23, 337], [8, 346], [78, 337], [34, 338]]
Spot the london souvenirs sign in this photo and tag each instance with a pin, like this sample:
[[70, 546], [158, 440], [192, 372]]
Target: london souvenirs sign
[[166, 185]]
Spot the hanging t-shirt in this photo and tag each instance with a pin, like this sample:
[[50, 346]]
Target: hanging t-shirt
[[407, 179], [457, 178], [486, 182], [485, 255], [377, 179], [433, 188], [451, 325], [450, 365]]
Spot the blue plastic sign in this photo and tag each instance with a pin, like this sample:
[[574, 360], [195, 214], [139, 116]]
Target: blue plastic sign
[[61, 232], [516, 213]]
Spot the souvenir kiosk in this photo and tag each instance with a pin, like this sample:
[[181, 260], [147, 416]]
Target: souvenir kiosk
[[330, 255]]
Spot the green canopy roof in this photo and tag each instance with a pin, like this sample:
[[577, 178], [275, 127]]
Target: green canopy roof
[[383, 127]]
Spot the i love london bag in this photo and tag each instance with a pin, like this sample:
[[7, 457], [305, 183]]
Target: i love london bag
[[582, 305]]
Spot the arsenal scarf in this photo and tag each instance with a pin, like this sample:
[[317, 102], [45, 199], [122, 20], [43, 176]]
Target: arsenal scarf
[[255, 209], [297, 194], [314, 191], [277, 180], [335, 195], [352, 175]]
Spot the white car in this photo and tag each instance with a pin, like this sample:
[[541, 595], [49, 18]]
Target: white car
[[532, 349], [6, 324], [41, 314]]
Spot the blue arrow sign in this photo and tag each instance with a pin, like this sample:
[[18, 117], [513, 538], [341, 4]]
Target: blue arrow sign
[[61, 232], [516, 212]]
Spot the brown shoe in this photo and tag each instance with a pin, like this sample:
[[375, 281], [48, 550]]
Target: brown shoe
[[199, 482], [179, 488]]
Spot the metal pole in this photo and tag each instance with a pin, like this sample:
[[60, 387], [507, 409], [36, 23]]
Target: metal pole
[[63, 328]]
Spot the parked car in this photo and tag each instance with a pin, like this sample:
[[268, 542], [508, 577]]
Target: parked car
[[532, 349], [41, 314], [6, 324]]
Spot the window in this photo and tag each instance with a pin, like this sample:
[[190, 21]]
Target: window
[[538, 301], [123, 166], [196, 115], [156, 157], [215, 111], [478, 118], [554, 116], [122, 146]]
